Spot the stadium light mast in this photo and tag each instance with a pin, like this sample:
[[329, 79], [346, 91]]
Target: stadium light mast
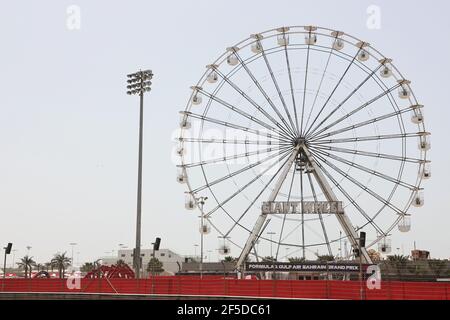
[[137, 84]]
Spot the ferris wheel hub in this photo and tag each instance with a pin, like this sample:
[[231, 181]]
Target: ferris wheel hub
[[299, 141]]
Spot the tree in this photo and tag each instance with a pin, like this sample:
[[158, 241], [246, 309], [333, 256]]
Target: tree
[[155, 266], [121, 263], [269, 259], [439, 267], [87, 267], [61, 262], [325, 258], [296, 259], [398, 261], [26, 263], [229, 259], [48, 266], [398, 258]]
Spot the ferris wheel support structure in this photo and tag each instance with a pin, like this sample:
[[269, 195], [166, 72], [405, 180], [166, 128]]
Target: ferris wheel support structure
[[343, 219]]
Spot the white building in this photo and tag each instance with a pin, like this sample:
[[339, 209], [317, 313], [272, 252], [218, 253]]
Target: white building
[[171, 260]]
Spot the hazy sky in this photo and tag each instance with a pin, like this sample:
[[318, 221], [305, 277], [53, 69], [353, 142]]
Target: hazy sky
[[68, 131]]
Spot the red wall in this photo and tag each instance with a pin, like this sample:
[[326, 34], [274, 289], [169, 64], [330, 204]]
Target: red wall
[[214, 286]]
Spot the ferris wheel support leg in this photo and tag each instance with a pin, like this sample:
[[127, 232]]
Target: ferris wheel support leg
[[262, 218], [343, 219]]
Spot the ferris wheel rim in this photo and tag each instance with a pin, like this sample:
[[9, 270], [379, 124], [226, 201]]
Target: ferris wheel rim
[[403, 137]]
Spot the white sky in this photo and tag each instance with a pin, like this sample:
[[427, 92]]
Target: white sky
[[68, 131]]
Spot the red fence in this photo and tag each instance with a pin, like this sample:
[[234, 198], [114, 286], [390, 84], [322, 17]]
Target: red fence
[[210, 286]]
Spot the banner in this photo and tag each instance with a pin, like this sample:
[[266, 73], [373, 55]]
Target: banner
[[304, 267]]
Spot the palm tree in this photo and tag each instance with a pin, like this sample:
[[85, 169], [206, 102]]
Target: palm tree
[[48, 266], [121, 263], [155, 266], [269, 259], [229, 259], [325, 258], [87, 267], [296, 259], [26, 263], [61, 262], [398, 258], [40, 267], [398, 261]]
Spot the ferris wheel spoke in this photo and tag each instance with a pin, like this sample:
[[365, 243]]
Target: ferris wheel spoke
[[369, 154], [370, 171], [242, 113], [362, 186], [220, 205], [284, 217], [234, 126], [291, 86], [232, 157], [332, 92], [304, 88], [277, 87], [236, 141], [367, 122], [257, 197], [320, 86], [330, 252], [372, 138], [370, 75], [235, 173], [254, 104], [346, 195], [302, 214], [354, 111], [263, 92]]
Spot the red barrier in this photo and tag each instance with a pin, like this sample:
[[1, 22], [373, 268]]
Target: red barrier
[[214, 286]]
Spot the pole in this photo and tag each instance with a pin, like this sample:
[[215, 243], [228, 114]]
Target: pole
[[201, 239], [4, 272], [137, 257], [13, 259], [360, 270], [4, 266]]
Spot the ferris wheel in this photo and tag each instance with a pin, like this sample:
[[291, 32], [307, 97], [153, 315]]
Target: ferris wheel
[[302, 137]]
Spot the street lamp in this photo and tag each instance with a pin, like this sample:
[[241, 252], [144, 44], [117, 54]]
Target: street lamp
[[13, 258], [139, 83], [287, 254], [72, 244], [195, 250], [201, 201], [271, 233], [209, 255], [7, 251]]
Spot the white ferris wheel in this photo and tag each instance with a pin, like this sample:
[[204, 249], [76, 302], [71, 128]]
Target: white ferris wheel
[[301, 137]]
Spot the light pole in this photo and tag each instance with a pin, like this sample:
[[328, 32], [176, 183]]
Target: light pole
[[195, 250], [72, 244], [13, 258], [271, 233], [287, 254], [7, 251], [201, 201], [139, 83], [209, 255]]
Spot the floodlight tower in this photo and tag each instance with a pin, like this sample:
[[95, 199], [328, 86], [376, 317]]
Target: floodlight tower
[[139, 83]]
